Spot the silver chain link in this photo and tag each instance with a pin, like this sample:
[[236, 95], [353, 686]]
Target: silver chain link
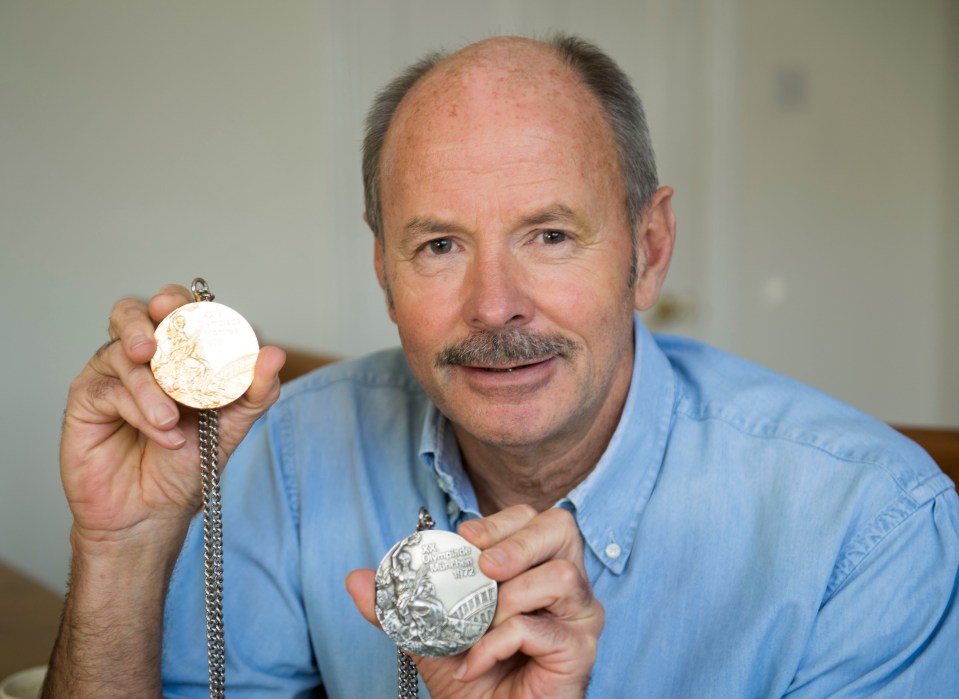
[[209, 431], [408, 683], [407, 679], [212, 551]]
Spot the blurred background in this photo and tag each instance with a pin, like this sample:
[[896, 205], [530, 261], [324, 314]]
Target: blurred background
[[813, 148]]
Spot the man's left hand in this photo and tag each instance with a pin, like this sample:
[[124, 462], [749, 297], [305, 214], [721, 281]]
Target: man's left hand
[[543, 639]]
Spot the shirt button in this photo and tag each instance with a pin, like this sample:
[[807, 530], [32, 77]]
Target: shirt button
[[613, 551]]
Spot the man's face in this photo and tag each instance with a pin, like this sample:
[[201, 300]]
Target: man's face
[[506, 253]]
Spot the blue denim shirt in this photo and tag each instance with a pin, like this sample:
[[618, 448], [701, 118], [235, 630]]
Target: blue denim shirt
[[747, 536]]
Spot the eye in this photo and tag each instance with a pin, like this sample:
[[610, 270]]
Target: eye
[[440, 246], [553, 237]]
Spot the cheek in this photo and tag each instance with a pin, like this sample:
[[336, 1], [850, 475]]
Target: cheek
[[423, 319], [589, 294]]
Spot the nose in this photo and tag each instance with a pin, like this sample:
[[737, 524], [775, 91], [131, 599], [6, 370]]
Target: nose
[[496, 292]]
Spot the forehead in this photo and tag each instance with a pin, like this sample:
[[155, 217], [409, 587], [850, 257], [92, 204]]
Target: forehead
[[506, 110]]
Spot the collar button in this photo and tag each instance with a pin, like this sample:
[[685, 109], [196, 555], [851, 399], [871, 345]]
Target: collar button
[[613, 551]]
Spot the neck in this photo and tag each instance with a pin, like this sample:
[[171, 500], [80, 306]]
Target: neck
[[536, 478]]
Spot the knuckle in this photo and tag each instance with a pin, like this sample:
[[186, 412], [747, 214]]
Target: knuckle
[[525, 511], [552, 632], [104, 348], [521, 548], [557, 517], [125, 307], [567, 575], [100, 387], [124, 312], [505, 600], [77, 386], [599, 617]]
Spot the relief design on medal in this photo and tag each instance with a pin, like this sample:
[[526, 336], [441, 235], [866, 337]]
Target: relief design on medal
[[205, 355], [431, 597]]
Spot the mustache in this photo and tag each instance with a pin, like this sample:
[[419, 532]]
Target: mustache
[[511, 346]]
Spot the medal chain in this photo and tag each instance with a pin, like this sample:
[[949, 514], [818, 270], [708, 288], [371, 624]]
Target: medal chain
[[407, 679], [212, 551], [208, 424]]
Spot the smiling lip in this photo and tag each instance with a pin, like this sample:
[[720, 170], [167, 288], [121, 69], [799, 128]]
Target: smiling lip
[[509, 379], [509, 369]]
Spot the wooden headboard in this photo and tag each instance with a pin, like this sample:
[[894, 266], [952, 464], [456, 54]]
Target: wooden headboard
[[299, 362], [941, 443]]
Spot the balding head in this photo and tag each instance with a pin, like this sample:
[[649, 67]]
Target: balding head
[[514, 65]]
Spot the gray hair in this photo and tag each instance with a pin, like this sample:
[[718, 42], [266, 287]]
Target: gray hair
[[610, 86]]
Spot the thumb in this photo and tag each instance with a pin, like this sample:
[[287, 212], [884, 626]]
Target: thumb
[[265, 388], [362, 588], [239, 416]]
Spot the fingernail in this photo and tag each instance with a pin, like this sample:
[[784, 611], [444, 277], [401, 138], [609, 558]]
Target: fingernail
[[495, 556], [179, 439], [163, 415], [460, 671]]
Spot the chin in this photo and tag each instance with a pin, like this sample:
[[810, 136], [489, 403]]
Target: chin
[[508, 430]]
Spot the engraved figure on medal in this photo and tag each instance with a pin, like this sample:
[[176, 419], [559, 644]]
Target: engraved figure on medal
[[205, 355], [431, 598]]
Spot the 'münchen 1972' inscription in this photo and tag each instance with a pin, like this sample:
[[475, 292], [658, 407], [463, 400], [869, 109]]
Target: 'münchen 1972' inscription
[[459, 560]]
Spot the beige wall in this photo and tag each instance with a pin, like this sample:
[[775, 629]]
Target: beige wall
[[949, 256], [843, 124], [143, 143]]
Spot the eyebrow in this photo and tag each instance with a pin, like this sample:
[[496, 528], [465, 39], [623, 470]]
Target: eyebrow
[[553, 214], [424, 225]]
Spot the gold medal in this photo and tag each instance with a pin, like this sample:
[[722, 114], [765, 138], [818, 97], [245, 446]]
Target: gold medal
[[205, 353]]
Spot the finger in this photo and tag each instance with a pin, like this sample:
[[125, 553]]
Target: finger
[[106, 398], [265, 388], [557, 587], [167, 300], [548, 535], [362, 588], [133, 322], [155, 406], [131, 325], [561, 648], [487, 531], [240, 415]]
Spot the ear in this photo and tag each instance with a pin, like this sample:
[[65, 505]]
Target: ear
[[379, 264], [654, 241]]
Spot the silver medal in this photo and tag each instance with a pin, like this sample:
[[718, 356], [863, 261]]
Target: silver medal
[[431, 598]]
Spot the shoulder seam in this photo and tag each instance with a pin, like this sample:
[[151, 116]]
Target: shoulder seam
[[884, 524]]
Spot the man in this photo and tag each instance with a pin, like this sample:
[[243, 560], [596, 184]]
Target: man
[[717, 530]]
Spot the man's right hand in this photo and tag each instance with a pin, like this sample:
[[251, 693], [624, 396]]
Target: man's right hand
[[129, 461], [128, 455]]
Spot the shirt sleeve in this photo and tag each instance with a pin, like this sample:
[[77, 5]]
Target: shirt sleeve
[[268, 649], [889, 627]]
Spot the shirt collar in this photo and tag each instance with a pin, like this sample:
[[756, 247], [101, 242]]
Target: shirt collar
[[440, 452], [608, 504]]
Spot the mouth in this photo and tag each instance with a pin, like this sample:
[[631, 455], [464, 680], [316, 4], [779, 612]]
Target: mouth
[[511, 369], [509, 381]]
